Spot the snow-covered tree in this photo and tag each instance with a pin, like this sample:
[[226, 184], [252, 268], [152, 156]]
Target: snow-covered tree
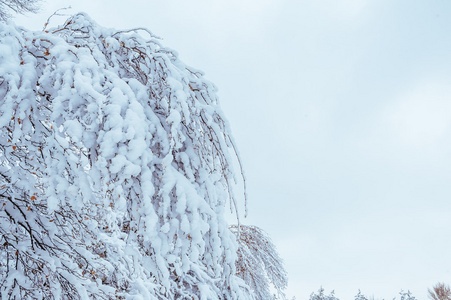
[[321, 295], [360, 296], [16, 6], [406, 296], [116, 165]]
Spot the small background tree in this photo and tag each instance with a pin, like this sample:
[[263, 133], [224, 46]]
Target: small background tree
[[320, 295], [360, 296], [440, 291]]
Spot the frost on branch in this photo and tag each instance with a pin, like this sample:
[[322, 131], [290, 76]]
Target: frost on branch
[[16, 6], [114, 170], [259, 264]]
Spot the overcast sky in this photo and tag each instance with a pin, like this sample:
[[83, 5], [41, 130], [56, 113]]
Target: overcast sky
[[341, 110]]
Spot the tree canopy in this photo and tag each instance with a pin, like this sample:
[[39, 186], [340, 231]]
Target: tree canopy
[[116, 167]]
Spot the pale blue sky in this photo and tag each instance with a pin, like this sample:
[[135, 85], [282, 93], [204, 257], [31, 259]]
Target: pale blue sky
[[341, 110]]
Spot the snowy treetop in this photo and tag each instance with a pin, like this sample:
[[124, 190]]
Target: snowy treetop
[[115, 170]]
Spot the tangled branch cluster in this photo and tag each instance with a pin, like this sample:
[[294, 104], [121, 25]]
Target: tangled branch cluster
[[16, 6]]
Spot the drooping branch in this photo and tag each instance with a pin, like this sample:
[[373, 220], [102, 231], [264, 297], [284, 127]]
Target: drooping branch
[[7, 7]]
